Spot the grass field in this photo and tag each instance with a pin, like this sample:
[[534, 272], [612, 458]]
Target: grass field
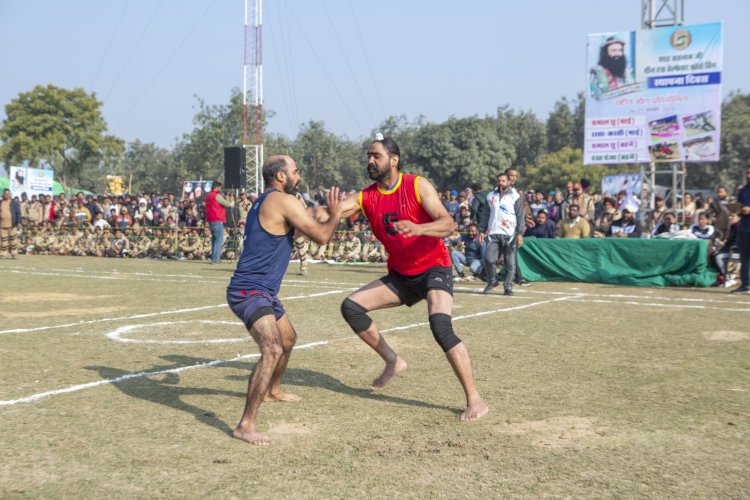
[[124, 378]]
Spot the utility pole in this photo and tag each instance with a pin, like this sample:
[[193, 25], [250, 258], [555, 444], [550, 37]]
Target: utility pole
[[252, 81]]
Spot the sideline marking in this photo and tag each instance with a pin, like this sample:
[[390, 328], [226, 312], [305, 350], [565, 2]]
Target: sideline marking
[[660, 304], [74, 388], [117, 333], [151, 315], [80, 387]]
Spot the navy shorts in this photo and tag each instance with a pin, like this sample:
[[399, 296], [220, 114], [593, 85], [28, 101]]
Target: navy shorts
[[412, 289], [251, 305]]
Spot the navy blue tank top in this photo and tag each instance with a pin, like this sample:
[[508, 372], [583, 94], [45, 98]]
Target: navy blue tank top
[[265, 256]]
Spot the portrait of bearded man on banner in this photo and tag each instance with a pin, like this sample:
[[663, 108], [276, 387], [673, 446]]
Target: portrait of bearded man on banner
[[612, 71]]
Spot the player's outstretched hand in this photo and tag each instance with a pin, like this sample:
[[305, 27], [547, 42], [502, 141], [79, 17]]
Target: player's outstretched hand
[[407, 228], [333, 200]]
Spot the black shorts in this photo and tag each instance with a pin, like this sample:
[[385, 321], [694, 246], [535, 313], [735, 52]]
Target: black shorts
[[412, 289]]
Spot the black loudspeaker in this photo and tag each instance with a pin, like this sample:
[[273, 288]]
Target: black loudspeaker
[[234, 168]]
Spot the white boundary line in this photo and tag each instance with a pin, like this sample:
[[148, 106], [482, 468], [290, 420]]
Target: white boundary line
[[127, 376], [151, 315], [660, 304], [79, 387], [117, 333]]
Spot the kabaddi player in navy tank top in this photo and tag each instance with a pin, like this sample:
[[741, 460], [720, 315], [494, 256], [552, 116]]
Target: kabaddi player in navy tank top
[[253, 289]]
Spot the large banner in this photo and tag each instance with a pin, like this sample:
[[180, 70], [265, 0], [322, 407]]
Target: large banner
[[116, 185], [195, 190], [654, 95], [32, 181]]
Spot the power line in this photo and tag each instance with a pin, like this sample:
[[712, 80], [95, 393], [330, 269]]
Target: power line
[[109, 45], [348, 64], [132, 52], [367, 59], [328, 75], [158, 74]]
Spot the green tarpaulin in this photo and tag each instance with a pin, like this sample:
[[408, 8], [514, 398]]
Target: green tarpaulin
[[646, 262]]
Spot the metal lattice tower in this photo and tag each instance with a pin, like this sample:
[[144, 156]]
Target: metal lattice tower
[[252, 83], [661, 14]]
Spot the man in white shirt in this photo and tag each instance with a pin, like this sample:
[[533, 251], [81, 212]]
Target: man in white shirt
[[504, 232]]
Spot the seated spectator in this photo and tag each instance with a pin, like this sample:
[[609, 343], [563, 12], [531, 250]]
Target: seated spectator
[[667, 225], [100, 221], [544, 228], [702, 229], [468, 252], [574, 226], [728, 251], [626, 226], [609, 214]]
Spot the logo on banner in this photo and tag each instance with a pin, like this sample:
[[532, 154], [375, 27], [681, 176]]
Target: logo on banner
[[680, 39]]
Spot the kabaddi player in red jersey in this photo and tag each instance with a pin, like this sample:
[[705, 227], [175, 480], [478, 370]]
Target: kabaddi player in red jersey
[[406, 215]]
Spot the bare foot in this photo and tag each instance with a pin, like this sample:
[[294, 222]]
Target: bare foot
[[281, 396], [474, 411], [252, 436], [391, 369]]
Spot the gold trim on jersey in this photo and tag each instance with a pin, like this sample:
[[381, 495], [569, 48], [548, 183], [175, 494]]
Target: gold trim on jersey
[[392, 190]]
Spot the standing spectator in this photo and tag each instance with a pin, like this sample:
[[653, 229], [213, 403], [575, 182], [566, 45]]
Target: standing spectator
[[143, 214], [743, 236], [36, 211], [556, 207], [167, 210], [451, 205], [24, 206], [538, 204], [10, 219], [216, 215], [512, 174], [504, 232], [574, 226], [123, 220]]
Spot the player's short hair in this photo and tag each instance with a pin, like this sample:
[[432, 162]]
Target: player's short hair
[[392, 147], [271, 167]]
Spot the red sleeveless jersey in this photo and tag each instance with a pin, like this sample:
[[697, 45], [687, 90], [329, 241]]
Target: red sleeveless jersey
[[407, 256]]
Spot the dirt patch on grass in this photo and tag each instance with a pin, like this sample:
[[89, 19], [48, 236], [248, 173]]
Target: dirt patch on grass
[[557, 432], [32, 297], [64, 312], [726, 336]]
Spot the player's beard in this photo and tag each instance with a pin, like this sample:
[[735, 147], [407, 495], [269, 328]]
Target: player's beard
[[615, 65], [375, 174], [290, 187]]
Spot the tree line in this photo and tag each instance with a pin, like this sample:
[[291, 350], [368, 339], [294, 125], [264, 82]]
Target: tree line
[[63, 129]]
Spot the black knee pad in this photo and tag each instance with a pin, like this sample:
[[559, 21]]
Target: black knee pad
[[355, 315], [442, 330]]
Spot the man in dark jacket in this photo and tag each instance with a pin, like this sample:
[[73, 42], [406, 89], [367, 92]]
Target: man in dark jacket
[[10, 219], [544, 228]]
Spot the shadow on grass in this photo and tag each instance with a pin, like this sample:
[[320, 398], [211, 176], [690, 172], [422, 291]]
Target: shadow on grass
[[308, 378], [164, 389]]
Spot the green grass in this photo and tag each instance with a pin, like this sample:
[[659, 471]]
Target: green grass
[[588, 399]]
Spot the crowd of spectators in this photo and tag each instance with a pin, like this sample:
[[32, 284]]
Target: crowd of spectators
[[162, 226], [577, 212]]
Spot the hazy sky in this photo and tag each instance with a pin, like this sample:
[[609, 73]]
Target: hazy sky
[[348, 63]]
